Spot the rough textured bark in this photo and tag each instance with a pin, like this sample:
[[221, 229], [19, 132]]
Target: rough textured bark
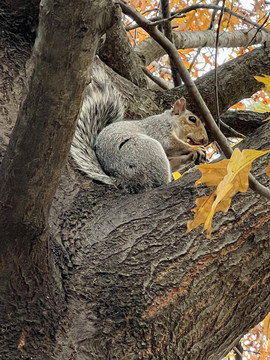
[[117, 50], [243, 121], [31, 293], [16, 40], [144, 102], [139, 287], [121, 278]]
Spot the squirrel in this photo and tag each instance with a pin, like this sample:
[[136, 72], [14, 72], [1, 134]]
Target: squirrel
[[134, 155]]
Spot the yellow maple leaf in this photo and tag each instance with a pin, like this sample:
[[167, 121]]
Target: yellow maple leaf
[[212, 174], [266, 326], [230, 356], [204, 205], [228, 176], [265, 79]]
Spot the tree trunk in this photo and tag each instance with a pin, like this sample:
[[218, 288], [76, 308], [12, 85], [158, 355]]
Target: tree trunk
[[31, 291], [111, 276]]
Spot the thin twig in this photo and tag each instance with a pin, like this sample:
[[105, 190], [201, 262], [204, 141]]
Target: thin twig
[[144, 13], [194, 59], [167, 29], [229, 20], [157, 20], [210, 26], [237, 351], [253, 352], [233, 131], [216, 64], [191, 87], [156, 80], [261, 27]]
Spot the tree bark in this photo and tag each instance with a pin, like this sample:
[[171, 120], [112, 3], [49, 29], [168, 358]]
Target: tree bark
[[31, 290], [117, 50], [112, 275], [139, 287], [243, 121], [149, 50], [144, 102]]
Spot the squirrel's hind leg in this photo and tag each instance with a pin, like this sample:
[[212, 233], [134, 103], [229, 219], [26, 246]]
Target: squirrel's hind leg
[[140, 163]]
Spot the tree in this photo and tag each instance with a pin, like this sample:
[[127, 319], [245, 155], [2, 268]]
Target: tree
[[86, 272]]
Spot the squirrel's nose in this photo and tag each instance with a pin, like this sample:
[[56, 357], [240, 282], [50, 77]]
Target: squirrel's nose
[[203, 141]]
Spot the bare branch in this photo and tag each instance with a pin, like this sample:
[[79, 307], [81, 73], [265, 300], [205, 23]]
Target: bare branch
[[149, 50], [243, 121], [216, 63], [167, 29], [156, 20], [160, 82], [176, 278]]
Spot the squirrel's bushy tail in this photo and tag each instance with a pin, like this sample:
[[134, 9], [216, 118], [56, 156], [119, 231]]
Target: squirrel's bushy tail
[[101, 106]]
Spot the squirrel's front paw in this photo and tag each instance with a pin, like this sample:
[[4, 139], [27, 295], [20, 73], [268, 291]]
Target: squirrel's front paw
[[200, 156]]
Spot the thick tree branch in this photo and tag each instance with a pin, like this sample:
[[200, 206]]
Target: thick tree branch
[[141, 102], [32, 298], [149, 50], [130, 282], [117, 50], [243, 121], [29, 178], [152, 289]]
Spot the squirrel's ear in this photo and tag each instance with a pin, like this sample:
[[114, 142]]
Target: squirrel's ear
[[179, 107]]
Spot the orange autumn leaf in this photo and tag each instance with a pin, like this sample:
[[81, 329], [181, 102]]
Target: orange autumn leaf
[[268, 169], [266, 326], [239, 106], [229, 177]]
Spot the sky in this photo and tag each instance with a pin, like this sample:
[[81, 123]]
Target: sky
[[247, 4]]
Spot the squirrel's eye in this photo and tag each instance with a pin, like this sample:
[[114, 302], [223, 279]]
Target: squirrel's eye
[[192, 119]]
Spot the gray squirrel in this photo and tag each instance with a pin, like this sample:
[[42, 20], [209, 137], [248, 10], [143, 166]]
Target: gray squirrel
[[134, 155]]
